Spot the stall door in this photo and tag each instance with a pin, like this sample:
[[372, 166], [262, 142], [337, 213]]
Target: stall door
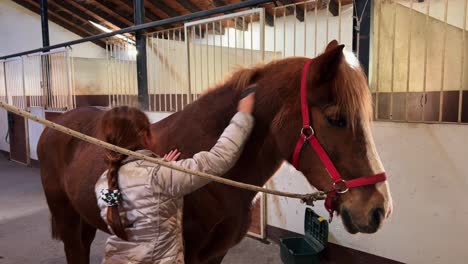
[[17, 126]]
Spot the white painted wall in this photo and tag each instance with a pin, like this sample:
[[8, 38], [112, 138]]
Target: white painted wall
[[35, 131], [20, 30], [4, 130]]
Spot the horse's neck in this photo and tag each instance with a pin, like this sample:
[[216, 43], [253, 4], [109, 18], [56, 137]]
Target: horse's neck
[[198, 127]]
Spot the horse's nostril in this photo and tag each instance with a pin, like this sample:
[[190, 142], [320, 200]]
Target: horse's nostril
[[377, 216]]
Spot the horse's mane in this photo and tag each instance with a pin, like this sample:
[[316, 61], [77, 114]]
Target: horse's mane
[[349, 87]]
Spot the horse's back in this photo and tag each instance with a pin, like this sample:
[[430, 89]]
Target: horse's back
[[56, 148]]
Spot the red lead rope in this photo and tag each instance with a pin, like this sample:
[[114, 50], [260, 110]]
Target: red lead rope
[[339, 185]]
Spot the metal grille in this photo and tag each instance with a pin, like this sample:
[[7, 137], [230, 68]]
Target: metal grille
[[61, 95], [419, 66], [313, 27], [33, 80], [167, 80], [23, 80], [121, 69], [3, 89], [15, 82], [216, 46]]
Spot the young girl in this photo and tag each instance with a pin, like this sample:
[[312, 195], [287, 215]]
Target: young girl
[[142, 202]]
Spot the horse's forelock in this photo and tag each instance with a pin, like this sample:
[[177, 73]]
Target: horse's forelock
[[351, 93]]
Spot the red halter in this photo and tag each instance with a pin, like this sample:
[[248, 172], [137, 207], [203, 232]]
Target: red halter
[[339, 185]]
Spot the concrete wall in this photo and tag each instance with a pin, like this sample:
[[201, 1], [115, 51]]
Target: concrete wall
[[428, 179]]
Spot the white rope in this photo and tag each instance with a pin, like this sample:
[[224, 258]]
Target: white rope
[[308, 198]]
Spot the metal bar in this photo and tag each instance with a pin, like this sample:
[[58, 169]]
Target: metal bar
[[316, 27], [110, 67], [393, 61], [339, 21], [121, 74], [235, 40], [305, 28], [428, 6], [243, 40], [5, 83], [327, 19], [294, 38], [187, 53], [251, 40], [274, 33], [63, 80], [214, 52], [207, 56], [198, 89], [444, 52], [72, 61], [463, 56], [173, 75], [221, 49], [151, 69], [24, 103], [162, 22], [142, 71], [166, 68], [169, 72], [377, 78], [284, 32], [226, 17], [262, 34], [159, 70], [408, 69], [58, 81], [182, 81], [129, 80]]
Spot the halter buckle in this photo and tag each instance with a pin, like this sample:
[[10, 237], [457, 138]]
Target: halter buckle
[[338, 186], [307, 132]]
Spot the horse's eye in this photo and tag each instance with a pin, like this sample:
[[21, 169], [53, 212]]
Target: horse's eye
[[337, 121]]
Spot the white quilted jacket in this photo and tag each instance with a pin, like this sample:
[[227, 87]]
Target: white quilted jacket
[[152, 198]]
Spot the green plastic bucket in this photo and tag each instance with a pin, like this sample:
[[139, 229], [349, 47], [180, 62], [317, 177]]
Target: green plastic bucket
[[305, 249]]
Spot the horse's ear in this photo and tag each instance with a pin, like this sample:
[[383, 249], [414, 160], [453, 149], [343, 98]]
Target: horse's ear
[[329, 61], [333, 44]]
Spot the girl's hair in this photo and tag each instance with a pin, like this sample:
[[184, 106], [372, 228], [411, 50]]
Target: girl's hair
[[125, 127]]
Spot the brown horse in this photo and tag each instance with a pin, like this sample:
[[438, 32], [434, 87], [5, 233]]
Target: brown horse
[[217, 217]]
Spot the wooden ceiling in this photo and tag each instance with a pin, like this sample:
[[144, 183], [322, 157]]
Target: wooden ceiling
[[75, 15]]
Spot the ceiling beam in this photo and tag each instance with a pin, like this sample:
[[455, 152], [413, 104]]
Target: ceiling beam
[[237, 22], [188, 5], [334, 6], [299, 10], [90, 14], [268, 18], [107, 13], [157, 4], [63, 7]]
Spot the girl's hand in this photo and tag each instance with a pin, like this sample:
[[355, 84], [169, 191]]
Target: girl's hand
[[247, 103], [173, 155]]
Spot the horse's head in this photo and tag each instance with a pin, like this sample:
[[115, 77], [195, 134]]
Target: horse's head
[[340, 109]]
